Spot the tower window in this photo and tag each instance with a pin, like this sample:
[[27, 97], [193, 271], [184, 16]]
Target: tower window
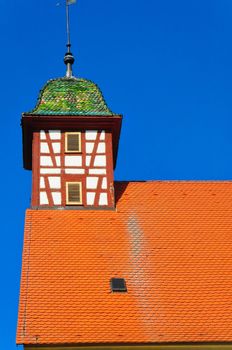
[[72, 142], [73, 193]]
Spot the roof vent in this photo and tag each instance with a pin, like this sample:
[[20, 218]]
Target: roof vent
[[118, 285]]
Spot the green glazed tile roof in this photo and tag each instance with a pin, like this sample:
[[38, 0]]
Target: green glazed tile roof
[[71, 96]]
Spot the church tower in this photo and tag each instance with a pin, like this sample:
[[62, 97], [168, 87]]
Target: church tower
[[70, 142], [116, 265]]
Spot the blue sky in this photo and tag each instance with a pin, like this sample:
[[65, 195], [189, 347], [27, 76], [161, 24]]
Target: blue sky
[[165, 65]]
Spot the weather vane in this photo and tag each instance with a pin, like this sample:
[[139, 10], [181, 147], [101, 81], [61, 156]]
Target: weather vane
[[68, 58]]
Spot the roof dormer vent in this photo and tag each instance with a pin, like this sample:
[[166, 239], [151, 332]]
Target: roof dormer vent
[[118, 285]]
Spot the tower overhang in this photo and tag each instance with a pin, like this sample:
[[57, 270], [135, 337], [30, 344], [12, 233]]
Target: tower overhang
[[31, 123]]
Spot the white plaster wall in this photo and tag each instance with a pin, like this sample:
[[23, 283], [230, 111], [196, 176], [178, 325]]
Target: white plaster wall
[[91, 183], [55, 134], [91, 134], [97, 171], [44, 147], [73, 161], [42, 183], [54, 182], [56, 147], [103, 135], [75, 171], [43, 198], [87, 160], [46, 161], [103, 199], [42, 135], [100, 161], [56, 196], [50, 171], [104, 183], [90, 198], [89, 147], [101, 147], [58, 160]]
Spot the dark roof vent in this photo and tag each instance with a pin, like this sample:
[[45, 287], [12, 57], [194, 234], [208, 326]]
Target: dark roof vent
[[118, 285]]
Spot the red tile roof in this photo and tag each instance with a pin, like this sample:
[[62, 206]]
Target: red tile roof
[[171, 241]]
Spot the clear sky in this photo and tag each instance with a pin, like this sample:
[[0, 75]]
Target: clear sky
[[165, 65]]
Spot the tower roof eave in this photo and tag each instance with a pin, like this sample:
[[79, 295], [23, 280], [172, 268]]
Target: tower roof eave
[[31, 123]]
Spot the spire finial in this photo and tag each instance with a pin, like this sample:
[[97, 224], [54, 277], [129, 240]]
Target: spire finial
[[68, 58]]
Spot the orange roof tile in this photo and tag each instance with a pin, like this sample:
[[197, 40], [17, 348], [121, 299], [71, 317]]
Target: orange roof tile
[[171, 241]]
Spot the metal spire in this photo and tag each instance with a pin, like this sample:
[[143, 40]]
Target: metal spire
[[68, 58]]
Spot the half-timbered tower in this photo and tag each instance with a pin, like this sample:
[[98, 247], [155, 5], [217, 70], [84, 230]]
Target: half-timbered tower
[[70, 142]]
